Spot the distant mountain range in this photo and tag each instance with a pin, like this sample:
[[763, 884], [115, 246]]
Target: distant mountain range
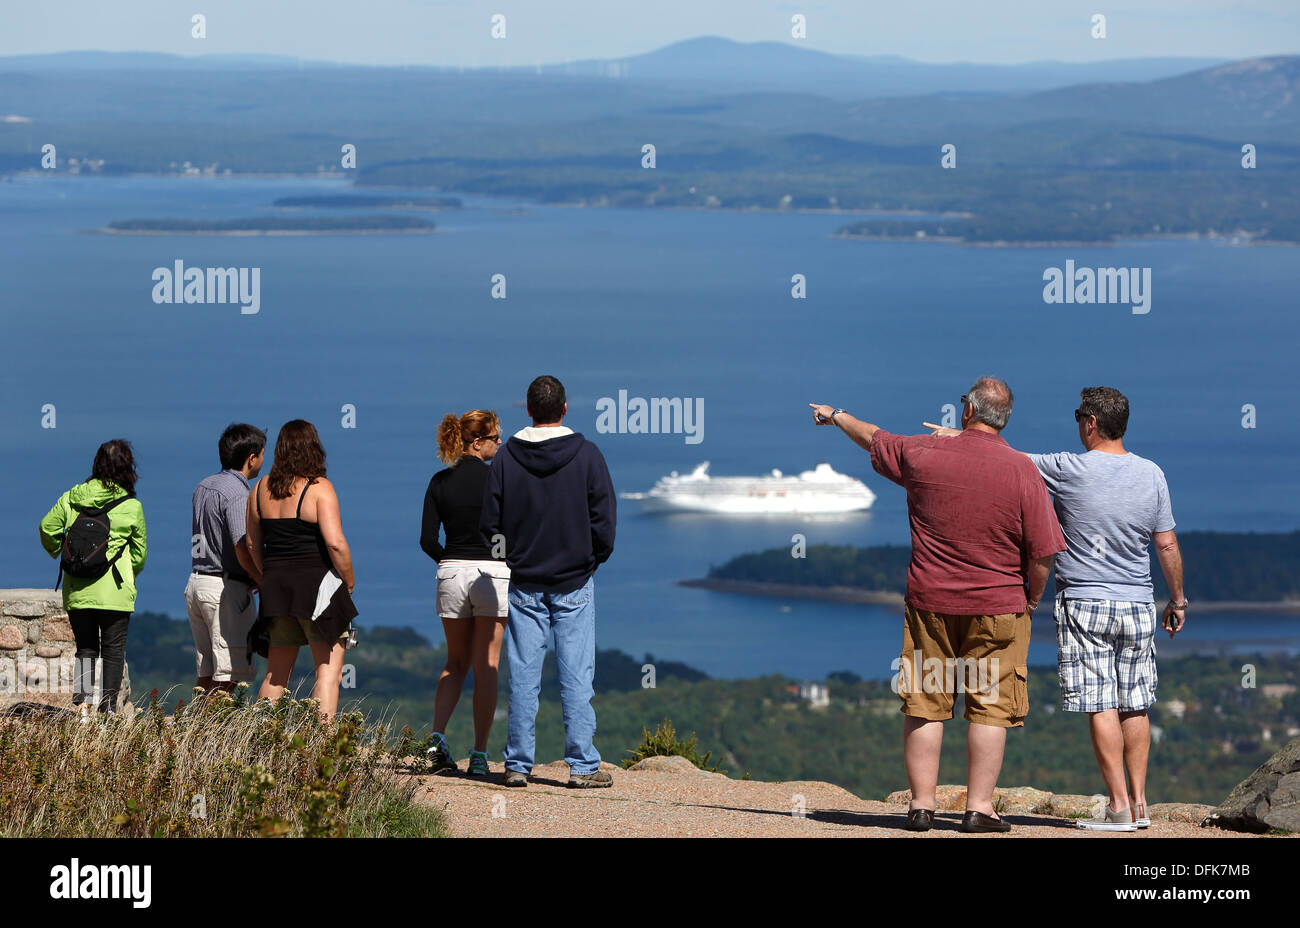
[[1085, 163], [714, 64], [723, 65]]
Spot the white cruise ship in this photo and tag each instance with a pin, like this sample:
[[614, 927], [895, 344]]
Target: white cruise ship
[[820, 490]]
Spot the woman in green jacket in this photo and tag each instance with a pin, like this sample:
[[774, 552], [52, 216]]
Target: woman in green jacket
[[100, 608]]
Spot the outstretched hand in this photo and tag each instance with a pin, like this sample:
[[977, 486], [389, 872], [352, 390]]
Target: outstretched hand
[[942, 431], [822, 414]]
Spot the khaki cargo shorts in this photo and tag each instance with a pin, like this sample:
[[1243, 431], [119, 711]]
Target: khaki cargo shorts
[[984, 657], [221, 612]]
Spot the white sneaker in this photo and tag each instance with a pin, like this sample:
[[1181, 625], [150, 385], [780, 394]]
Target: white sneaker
[[1111, 821]]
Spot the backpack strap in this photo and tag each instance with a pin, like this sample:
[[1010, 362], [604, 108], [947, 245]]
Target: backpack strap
[[103, 511], [301, 497]]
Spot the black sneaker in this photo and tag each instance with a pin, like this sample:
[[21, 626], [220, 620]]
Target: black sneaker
[[590, 780], [440, 758]]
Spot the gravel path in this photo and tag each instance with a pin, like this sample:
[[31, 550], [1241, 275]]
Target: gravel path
[[652, 803]]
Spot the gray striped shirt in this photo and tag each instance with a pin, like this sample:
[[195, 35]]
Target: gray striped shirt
[[218, 523]]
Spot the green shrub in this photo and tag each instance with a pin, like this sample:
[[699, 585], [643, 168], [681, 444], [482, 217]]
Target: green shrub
[[214, 768], [663, 742]]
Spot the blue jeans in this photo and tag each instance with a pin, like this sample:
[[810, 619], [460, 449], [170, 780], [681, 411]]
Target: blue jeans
[[573, 618]]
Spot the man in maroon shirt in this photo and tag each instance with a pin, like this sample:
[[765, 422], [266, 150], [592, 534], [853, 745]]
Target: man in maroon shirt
[[983, 536]]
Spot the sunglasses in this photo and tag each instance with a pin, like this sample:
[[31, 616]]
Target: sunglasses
[[1080, 415], [496, 438]]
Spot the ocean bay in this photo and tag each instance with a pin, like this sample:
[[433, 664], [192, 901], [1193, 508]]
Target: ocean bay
[[657, 303]]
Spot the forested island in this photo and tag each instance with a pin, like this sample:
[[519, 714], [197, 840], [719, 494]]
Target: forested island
[[272, 225], [1241, 568]]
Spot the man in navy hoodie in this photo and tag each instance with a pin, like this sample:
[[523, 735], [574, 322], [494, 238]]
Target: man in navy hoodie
[[550, 500]]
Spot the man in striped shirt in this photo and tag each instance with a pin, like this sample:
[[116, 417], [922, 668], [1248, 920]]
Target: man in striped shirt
[[219, 594]]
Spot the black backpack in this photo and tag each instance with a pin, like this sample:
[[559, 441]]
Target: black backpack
[[85, 544]]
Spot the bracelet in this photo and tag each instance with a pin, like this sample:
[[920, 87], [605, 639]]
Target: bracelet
[[1179, 607]]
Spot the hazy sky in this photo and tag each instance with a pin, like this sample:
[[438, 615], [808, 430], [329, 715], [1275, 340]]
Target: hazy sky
[[456, 32]]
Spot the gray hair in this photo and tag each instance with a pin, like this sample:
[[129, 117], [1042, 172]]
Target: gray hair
[[990, 401]]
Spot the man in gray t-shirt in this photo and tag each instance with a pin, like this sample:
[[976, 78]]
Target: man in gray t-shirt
[[1111, 503]]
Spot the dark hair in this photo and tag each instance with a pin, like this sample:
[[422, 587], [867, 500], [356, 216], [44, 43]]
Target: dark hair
[[546, 399], [237, 442], [1109, 406], [115, 465], [991, 402], [298, 453]]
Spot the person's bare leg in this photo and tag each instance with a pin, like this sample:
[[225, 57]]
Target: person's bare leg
[[205, 684], [328, 658], [1108, 745], [985, 745], [922, 742], [1136, 730], [279, 668], [460, 641], [489, 632]]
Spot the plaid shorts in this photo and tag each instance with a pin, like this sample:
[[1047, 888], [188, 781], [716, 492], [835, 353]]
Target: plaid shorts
[[1106, 654]]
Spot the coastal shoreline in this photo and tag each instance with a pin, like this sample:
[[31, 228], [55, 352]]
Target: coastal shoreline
[[853, 594], [842, 594], [246, 232], [534, 202]]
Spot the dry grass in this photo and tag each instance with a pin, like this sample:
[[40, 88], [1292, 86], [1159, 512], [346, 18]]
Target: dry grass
[[214, 768]]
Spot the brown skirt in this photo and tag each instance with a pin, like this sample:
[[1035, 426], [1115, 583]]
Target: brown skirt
[[289, 588]]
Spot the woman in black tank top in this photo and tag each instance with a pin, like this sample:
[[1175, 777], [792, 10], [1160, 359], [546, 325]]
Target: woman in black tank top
[[307, 578]]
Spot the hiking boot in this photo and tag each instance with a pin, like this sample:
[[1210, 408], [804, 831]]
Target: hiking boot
[[515, 778], [1111, 821], [440, 757], [590, 780], [478, 764]]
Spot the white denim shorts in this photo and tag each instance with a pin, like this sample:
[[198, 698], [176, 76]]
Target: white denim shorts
[[470, 588]]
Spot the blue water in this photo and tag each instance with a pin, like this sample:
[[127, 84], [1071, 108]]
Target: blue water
[[660, 303]]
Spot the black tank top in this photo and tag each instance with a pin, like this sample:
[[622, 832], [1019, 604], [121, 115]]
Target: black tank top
[[292, 538]]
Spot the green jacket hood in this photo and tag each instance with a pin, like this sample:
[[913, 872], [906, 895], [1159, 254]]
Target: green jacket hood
[[94, 492]]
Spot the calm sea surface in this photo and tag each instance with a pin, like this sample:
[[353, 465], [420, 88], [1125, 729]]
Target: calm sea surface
[[659, 303]]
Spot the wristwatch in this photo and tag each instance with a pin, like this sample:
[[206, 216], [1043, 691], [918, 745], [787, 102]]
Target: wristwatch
[[836, 413], [1179, 606]]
